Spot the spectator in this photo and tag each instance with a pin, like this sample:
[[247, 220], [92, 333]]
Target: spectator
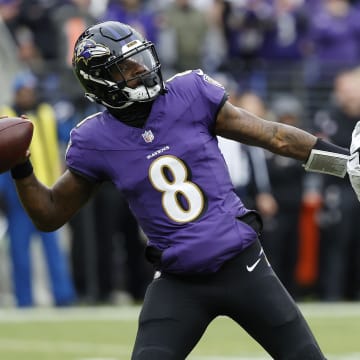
[[243, 28], [45, 155], [70, 18], [35, 15], [334, 38], [281, 228], [9, 61], [259, 187], [134, 13], [238, 157], [186, 28], [247, 164], [120, 248], [283, 48], [215, 46]]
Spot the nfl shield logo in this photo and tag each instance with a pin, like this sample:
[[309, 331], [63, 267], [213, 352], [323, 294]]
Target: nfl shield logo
[[148, 136]]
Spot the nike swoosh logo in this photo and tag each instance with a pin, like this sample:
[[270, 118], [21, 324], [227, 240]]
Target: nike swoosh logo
[[253, 266]]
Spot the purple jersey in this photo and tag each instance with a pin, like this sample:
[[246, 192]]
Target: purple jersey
[[172, 174]]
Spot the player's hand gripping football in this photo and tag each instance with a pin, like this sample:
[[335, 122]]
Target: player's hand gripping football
[[353, 165]]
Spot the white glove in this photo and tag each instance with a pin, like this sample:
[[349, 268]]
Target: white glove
[[353, 165]]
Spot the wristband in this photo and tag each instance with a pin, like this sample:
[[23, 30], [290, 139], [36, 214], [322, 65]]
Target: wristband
[[22, 171], [329, 147], [327, 158]]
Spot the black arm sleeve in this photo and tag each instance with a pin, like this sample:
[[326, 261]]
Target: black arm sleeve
[[327, 146]]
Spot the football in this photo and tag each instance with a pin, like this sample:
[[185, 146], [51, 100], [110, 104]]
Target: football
[[15, 138]]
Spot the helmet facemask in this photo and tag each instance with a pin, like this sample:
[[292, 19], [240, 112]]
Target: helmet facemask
[[134, 76]]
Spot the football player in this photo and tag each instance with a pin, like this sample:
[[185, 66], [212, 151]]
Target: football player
[[156, 141]]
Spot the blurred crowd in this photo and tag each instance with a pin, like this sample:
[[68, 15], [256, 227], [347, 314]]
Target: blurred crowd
[[292, 61]]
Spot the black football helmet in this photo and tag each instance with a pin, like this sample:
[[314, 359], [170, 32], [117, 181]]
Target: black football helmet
[[102, 53]]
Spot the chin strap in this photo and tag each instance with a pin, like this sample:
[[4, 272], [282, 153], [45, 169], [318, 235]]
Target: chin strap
[[141, 94], [93, 98]]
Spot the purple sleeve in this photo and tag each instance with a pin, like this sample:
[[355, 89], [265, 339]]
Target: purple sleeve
[[213, 95], [81, 160]]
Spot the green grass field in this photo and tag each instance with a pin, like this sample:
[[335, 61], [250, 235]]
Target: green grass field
[[107, 333]]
